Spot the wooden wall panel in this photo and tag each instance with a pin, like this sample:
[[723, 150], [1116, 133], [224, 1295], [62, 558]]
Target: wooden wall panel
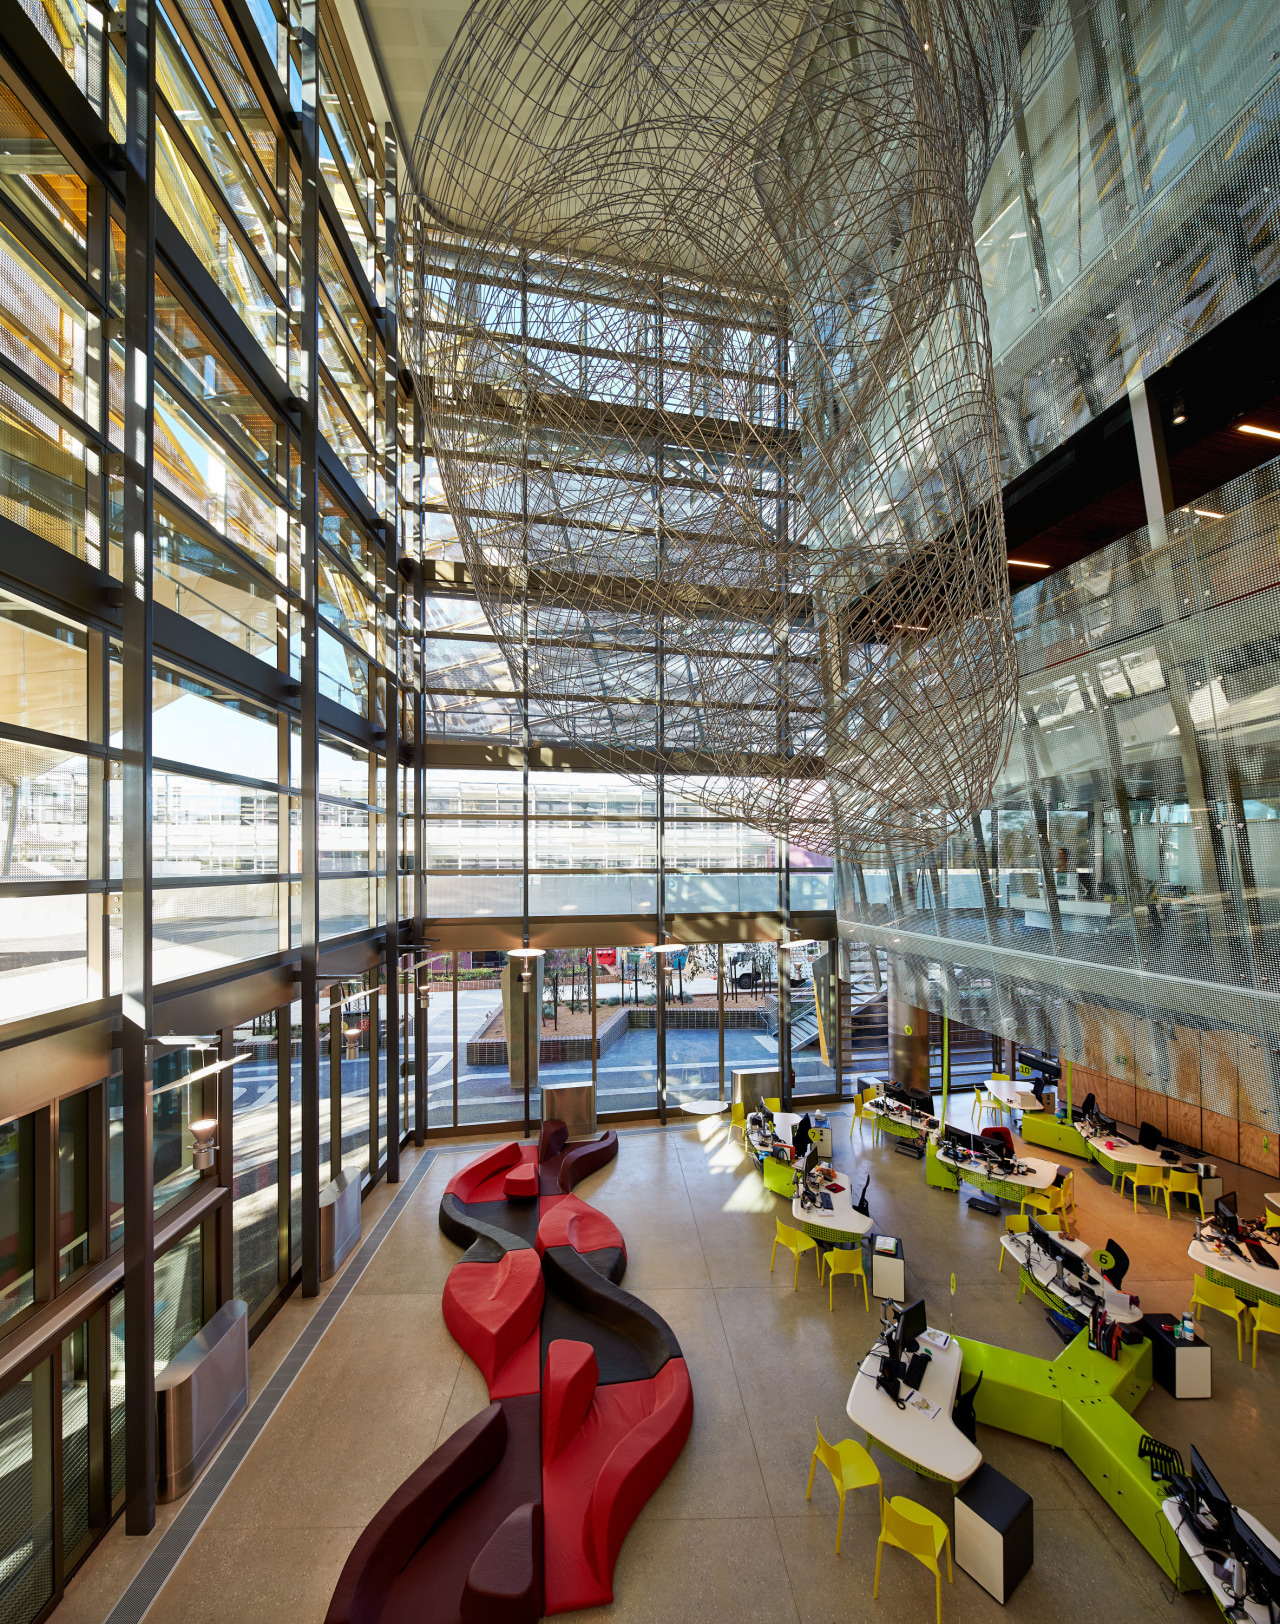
[[1184, 1057], [1094, 1038], [1153, 1108], [1259, 1148], [1219, 1090], [1254, 1082], [1184, 1124], [1221, 1136], [1124, 1102]]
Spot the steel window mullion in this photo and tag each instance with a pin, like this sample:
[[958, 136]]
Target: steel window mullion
[[391, 690], [309, 338], [137, 626]]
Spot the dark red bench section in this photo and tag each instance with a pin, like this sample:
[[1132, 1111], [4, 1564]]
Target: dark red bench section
[[461, 1529]]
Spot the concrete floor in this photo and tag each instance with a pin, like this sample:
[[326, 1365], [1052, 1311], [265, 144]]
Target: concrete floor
[[728, 1536]]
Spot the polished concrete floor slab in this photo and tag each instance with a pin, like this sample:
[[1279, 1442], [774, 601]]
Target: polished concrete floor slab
[[729, 1535]]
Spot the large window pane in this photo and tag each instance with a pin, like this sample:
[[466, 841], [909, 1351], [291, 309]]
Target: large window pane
[[26, 1497], [255, 1172]]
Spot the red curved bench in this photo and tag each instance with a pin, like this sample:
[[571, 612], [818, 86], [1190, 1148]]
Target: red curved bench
[[467, 1181], [571, 1222], [491, 1309], [596, 1487]]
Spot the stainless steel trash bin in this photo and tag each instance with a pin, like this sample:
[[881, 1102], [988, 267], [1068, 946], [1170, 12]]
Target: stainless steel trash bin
[[339, 1220], [200, 1395]]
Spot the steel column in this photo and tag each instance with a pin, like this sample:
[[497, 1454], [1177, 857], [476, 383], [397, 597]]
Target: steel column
[[139, 461], [391, 580], [309, 513]]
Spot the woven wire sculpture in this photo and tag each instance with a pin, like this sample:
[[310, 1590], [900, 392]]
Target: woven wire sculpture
[[700, 339]]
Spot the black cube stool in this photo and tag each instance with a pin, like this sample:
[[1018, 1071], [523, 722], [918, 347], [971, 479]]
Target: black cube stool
[[995, 1540]]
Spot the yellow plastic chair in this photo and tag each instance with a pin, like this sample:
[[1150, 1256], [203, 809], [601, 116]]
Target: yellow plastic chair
[[919, 1533], [1204, 1294], [774, 1104], [738, 1120], [1266, 1317], [1018, 1226], [839, 1261], [1058, 1198], [1181, 1183], [1153, 1179], [979, 1103], [1273, 1219], [855, 1121], [795, 1240], [850, 1467]]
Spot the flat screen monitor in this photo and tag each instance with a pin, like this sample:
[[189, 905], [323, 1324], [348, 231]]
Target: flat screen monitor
[[1224, 1212], [1048, 1244], [1106, 1124], [960, 1138], [1208, 1491], [912, 1324], [901, 1096], [810, 1161], [1261, 1564], [1073, 1263]]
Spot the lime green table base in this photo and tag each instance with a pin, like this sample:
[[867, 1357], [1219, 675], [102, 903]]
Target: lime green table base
[[1028, 1282], [779, 1177], [891, 1125], [938, 1176], [1110, 1164], [1083, 1403], [920, 1471], [1243, 1289], [1039, 1128], [828, 1237]]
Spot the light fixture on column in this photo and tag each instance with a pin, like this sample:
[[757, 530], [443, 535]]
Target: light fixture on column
[[1178, 410], [203, 1136], [527, 954]]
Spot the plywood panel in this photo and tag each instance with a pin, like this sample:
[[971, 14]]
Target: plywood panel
[[1184, 1124], [1218, 1076], [1153, 1108], [1259, 1148], [1221, 1136], [1124, 1104], [1094, 1038], [1254, 1082], [1142, 1049], [1184, 1057]]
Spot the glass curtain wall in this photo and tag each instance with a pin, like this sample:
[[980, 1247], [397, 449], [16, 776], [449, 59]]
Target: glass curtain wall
[[1131, 209], [1119, 905]]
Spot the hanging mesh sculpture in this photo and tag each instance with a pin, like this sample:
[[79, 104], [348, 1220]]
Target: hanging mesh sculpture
[[700, 339]]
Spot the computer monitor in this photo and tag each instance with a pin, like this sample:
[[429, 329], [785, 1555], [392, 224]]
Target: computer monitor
[[1262, 1565], [810, 1162], [912, 1324], [1073, 1263], [960, 1138], [900, 1096], [1106, 1124], [1208, 1492], [1224, 1213], [800, 1136]]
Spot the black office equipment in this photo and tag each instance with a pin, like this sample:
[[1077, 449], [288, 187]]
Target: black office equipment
[[1224, 1213], [914, 1321], [810, 1163], [1261, 1255], [1209, 1494], [960, 1138], [1262, 1566], [963, 1411], [1148, 1135], [994, 1531], [860, 1205], [800, 1136], [1164, 1460]]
